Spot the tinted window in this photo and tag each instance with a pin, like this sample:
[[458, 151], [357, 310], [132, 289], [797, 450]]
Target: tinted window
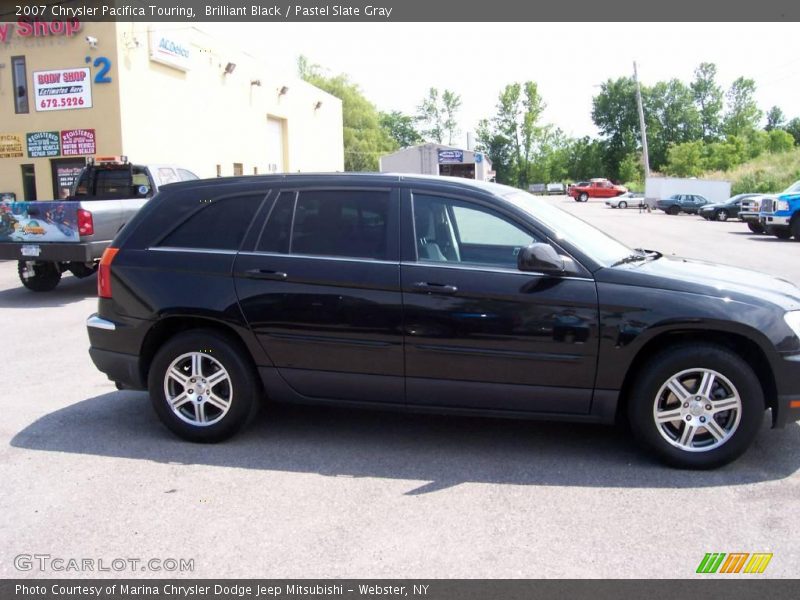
[[219, 225], [341, 223], [20, 80], [447, 230], [275, 236]]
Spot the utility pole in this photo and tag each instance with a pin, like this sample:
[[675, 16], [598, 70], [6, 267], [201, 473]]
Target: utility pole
[[645, 159]]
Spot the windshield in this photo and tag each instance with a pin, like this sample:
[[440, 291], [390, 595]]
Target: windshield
[[792, 189], [591, 241]]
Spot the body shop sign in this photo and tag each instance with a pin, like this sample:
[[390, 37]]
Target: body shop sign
[[44, 143], [63, 89], [76, 142]]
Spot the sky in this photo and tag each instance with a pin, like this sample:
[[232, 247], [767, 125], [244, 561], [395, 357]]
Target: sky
[[395, 63]]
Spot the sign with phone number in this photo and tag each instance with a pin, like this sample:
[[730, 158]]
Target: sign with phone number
[[62, 89]]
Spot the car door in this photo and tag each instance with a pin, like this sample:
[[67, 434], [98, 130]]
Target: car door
[[479, 333], [320, 289]]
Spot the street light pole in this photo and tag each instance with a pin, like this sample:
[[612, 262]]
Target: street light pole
[[645, 159]]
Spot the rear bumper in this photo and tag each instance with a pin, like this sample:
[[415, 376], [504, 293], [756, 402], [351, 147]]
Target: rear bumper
[[110, 345], [118, 367], [55, 252]]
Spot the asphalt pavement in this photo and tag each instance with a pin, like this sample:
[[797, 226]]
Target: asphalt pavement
[[88, 472]]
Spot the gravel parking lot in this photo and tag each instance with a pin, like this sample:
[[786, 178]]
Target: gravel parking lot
[[88, 471]]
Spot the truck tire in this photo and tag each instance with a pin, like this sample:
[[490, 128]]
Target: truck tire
[[45, 275], [755, 227], [81, 270], [584, 197], [795, 229], [782, 233]]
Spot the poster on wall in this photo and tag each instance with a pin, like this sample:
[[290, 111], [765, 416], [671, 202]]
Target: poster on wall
[[11, 145], [76, 142], [43, 143], [39, 222], [63, 89]]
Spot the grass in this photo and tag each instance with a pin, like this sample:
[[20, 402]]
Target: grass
[[769, 173]]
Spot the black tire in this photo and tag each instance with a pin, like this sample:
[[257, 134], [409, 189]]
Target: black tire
[[782, 233], [755, 227], [623, 204], [584, 197], [45, 278], [722, 215], [649, 392], [795, 229], [240, 390], [673, 210]]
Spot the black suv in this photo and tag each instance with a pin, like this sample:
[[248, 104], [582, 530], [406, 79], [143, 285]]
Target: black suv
[[435, 294]]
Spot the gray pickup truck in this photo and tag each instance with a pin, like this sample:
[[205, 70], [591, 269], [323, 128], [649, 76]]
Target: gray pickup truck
[[50, 237]]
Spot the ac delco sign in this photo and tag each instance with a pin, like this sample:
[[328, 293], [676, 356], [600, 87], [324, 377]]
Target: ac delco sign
[[34, 28]]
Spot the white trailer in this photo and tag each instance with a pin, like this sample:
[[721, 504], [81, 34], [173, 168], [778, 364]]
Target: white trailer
[[658, 188]]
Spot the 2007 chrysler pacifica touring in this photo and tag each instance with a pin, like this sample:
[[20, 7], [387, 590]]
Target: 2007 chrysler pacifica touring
[[435, 293]]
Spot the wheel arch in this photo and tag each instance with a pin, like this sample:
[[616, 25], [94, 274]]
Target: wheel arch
[[737, 343], [169, 327]]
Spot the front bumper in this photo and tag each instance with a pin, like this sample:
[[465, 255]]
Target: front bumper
[[774, 220], [787, 379]]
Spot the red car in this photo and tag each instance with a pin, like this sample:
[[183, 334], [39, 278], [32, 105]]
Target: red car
[[596, 188]]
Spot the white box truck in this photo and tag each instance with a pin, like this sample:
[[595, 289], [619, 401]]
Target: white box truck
[[659, 188]]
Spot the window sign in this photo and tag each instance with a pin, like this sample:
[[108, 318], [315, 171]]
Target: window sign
[[63, 89]]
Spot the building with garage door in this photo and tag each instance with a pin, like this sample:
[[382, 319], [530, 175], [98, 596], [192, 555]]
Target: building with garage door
[[156, 94], [438, 159]]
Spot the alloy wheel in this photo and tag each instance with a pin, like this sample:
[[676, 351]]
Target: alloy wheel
[[198, 389]]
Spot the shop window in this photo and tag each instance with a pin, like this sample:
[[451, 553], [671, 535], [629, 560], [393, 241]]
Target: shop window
[[19, 76], [28, 182]]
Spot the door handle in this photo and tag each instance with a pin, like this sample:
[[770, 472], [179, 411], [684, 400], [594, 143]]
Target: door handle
[[434, 288], [265, 274]]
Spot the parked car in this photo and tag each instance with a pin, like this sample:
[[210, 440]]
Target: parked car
[[748, 211], [678, 203], [626, 200], [595, 188], [781, 216], [722, 211], [537, 188], [435, 294], [556, 188]]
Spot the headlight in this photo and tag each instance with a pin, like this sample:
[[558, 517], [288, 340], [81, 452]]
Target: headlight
[[792, 319], [782, 205]]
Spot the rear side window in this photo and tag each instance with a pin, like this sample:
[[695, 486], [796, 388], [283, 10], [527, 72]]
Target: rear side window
[[346, 223], [219, 225]]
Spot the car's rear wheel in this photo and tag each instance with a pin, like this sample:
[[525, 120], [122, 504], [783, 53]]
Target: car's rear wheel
[[755, 227], [673, 210], [583, 197], [722, 215], [623, 204], [38, 276], [202, 386], [696, 406]]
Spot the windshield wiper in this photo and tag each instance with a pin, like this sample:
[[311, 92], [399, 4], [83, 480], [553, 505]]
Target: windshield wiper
[[644, 255]]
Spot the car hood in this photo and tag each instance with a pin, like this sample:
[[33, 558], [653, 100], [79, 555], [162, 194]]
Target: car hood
[[706, 278]]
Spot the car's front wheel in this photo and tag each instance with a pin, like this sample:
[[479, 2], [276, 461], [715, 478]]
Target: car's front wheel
[[696, 406], [673, 210], [623, 204], [202, 386]]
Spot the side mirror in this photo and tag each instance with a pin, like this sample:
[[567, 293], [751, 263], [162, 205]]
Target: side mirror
[[540, 258]]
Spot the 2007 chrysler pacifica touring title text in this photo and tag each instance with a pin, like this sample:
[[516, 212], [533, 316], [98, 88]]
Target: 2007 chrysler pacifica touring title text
[[435, 293]]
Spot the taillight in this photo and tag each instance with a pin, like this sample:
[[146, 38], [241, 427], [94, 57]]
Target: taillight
[[85, 222], [104, 273]]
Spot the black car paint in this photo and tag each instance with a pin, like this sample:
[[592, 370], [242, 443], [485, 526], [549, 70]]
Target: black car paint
[[504, 342]]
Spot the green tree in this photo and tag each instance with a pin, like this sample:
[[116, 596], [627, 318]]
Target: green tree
[[437, 113], [708, 99], [586, 158], [365, 140], [723, 156], [673, 118], [401, 128], [513, 137], [631, 168], [775, 119], [743, 113], [780, 141], [615, 113], [685, 160], [793, 127]]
